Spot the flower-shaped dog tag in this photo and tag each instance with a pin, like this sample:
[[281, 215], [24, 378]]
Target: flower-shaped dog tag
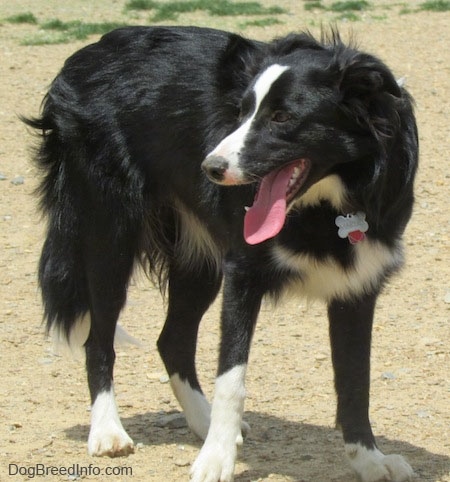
[[352, 226]]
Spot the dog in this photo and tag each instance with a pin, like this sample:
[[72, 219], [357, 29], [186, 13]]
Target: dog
[[205, 156]]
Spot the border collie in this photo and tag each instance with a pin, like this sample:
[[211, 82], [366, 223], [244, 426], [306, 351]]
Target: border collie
[[207, 156]]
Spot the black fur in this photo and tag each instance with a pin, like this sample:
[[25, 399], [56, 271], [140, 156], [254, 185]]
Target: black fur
[[126, 126]]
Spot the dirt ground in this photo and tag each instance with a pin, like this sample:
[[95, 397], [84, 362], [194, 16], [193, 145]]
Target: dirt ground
[[44, 403]]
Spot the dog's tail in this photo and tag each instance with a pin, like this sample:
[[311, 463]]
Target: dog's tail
[[61, 275]]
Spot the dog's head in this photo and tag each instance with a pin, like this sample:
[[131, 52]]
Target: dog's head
[[311, 109]]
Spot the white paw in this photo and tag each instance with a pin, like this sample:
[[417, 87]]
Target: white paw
[[374, 466], [196, 408], [111, 441], [217, 458], [200, 427], [215, 463], [107, 435]]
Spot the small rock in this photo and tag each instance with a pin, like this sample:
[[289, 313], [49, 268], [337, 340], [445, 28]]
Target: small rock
[[182, 462], [306, 457], [423, 414], [447, 297], [164, 379], [18, 180], [388, 376], [45, 361], [154, 376], [430, 341], [172, 421], [2, 177], [321, 357]]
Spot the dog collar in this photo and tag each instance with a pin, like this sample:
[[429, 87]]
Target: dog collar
[[352, 226]]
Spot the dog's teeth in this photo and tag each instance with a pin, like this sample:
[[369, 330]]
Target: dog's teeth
[[294, 177], [246, 208]]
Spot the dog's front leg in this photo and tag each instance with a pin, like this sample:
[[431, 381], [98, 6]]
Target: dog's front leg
[[350, 333], [241, 302]]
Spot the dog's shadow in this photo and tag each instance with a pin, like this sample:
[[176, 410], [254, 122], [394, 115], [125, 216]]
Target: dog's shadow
[[279, 446]]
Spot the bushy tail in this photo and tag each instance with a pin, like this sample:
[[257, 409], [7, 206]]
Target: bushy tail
[[62, 283], [61, 274]]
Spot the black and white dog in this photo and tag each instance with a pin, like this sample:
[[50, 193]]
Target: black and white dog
[[311, 147]]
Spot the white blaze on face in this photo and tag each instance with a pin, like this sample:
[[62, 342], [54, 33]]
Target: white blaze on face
[[231, 146]]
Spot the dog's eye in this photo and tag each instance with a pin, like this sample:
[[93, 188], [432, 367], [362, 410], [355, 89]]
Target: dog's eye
[[281, 116]]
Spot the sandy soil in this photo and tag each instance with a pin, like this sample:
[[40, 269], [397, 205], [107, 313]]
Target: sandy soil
[[44, 405]]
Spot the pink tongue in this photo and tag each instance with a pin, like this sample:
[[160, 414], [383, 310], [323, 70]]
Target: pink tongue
[[266, 217]]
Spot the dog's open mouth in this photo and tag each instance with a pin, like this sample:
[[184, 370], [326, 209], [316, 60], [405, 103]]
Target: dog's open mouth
[[267, 216]]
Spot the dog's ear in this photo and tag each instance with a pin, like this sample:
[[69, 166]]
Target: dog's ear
[[367, 90], [240, 59], [365, 76], [293, 42], [237, 67]]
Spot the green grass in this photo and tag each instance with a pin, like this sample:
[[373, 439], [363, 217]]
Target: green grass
[[348, 6], [26, 17], [429, 6], [141, 5], [313, 5], [339, 7], [263, 22], [56, 31], [170, 10], [45, 38], [435, 6], [349, 17]]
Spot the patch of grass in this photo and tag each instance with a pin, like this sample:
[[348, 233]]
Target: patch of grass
[[56, 31], [342, 6], [349, 17], [225, 7], [80, 30], [46, 38], [435, 6], [380, 17], [141, 5], [348, 6], [26, 17], [263, 22], [171, 10], [58, 25], [313, 5]]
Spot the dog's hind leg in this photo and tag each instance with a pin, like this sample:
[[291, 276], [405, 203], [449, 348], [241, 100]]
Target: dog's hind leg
[[350, 334], [190, 294], [108, 257]]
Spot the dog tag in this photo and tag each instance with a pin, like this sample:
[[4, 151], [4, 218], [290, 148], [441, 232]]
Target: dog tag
[[352, 226]]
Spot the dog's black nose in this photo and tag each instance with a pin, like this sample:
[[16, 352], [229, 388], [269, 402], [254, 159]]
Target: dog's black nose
[[215, 167]]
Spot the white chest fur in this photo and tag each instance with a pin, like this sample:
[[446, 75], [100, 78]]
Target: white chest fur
[[326, 279]]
